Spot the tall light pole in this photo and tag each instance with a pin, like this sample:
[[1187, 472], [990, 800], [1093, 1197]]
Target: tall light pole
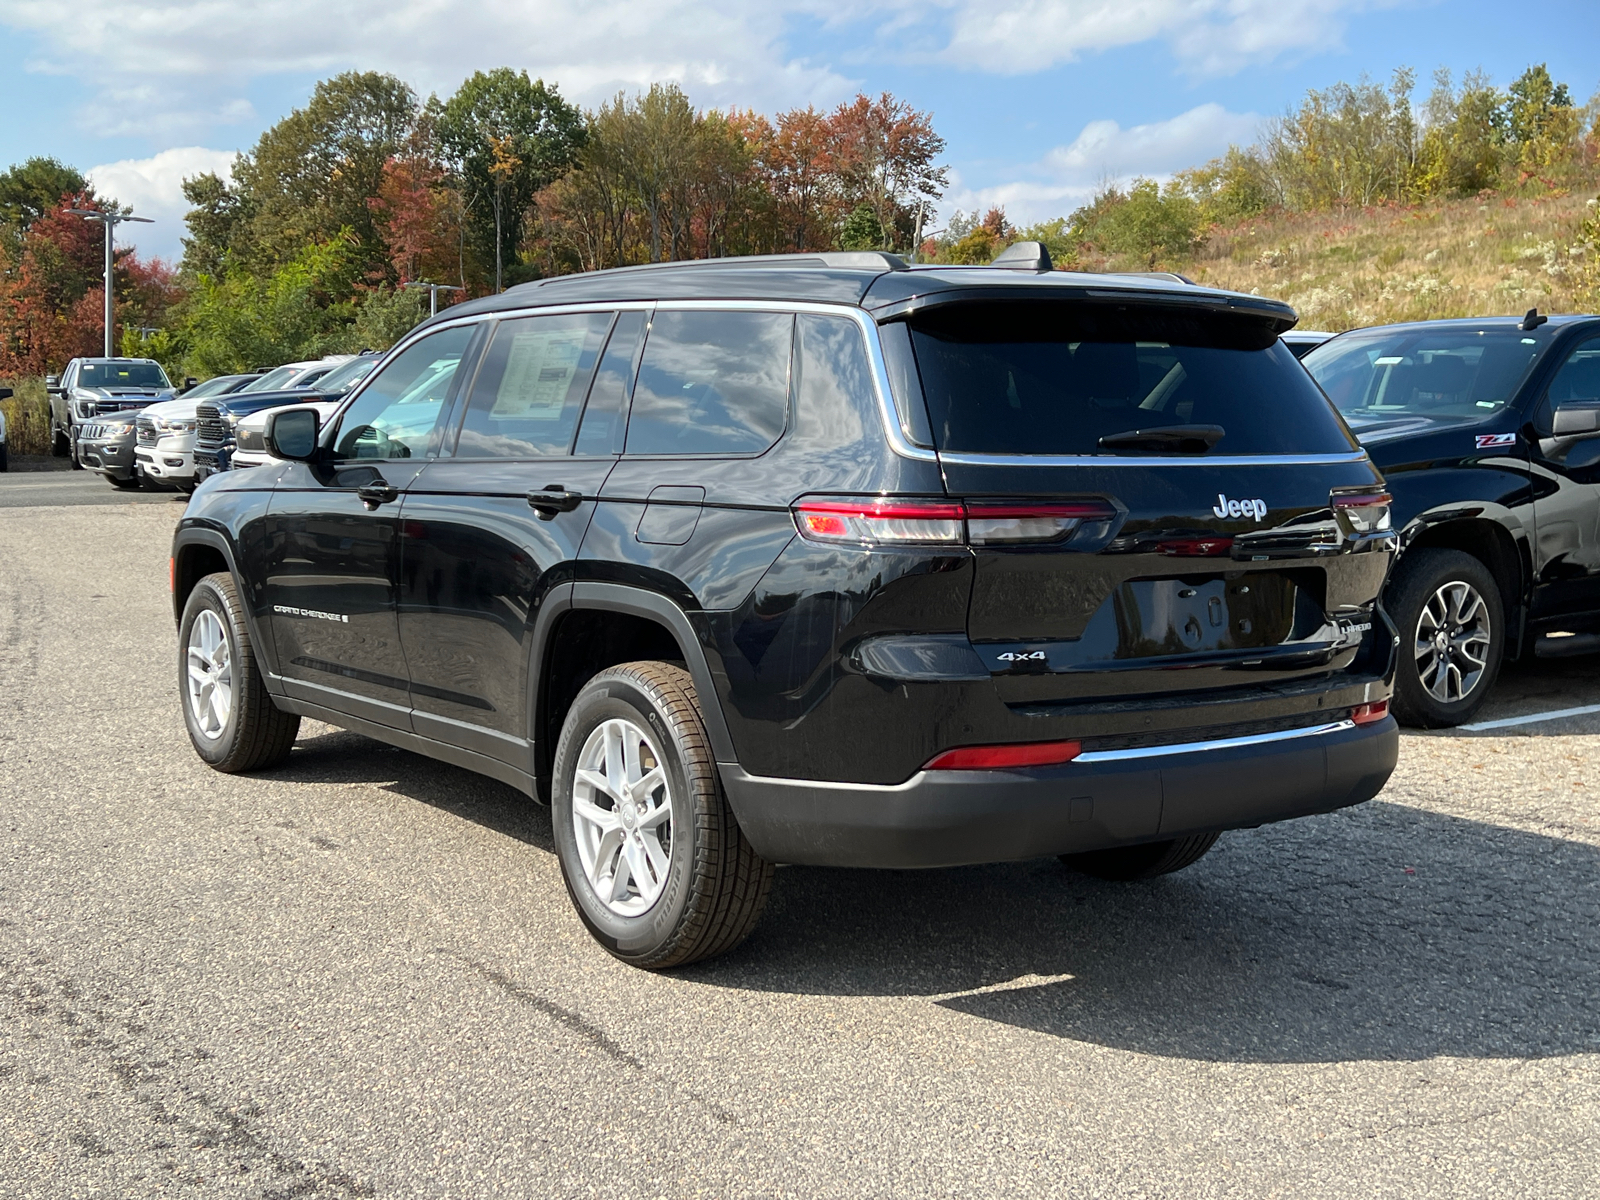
[[110, 220], [433, 293]]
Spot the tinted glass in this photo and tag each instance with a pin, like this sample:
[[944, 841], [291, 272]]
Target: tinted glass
[[601, 431], [1579, 377], [276, 378], [835, 387], [712, 383], [211, 387], [122, 374], [530, 387], [1465, 374], [395, 414], [1055, 379], [345, 376]]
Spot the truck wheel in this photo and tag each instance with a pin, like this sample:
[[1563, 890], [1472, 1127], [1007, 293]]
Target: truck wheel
[[72, 448], [232, 721], [1447, 607], [4, 465], [59, 446], [654, 861], [1125, 863], [129, 484]]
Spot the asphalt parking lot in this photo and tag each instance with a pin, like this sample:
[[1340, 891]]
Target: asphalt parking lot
[[359, 975]]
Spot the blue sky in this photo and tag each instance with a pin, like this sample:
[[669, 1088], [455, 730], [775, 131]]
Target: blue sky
[[1039, 99]]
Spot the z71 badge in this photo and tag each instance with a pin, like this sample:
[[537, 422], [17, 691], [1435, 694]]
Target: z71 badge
[[1488, 441]]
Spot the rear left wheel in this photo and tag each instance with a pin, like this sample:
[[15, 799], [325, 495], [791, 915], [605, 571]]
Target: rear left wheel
[[231, 718], [653, 858]]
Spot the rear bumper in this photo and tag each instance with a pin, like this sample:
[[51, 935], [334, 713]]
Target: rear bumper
[[953, 818]]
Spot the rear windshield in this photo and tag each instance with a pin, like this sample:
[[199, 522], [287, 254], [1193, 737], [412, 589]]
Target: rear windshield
[[1451, 372], [122, 374], [1056, 379]]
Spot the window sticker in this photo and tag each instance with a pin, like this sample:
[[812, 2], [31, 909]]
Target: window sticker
[[540, 365]]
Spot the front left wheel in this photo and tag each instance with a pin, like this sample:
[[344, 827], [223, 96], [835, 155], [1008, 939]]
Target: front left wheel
[[231, 718], [655, 863]]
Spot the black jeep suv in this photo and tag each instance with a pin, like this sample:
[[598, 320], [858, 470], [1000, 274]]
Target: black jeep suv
[[817, 559], [1488, 432]]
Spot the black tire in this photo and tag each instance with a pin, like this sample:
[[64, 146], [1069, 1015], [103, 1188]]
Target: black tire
[[59, 445], [1146, 861], [4, 464], [256, 734], [715, 885], [130, 484], [72, 448], [1421, 575]]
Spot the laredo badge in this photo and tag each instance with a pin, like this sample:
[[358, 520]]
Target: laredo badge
[[1489, 441]]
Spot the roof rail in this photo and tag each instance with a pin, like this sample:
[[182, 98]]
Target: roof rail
[[859, 260], [1172, 275]]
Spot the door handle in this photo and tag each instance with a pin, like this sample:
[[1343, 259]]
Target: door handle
[[553, 499], [374, 494]]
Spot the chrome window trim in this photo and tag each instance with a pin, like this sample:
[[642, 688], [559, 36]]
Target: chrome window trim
[[887, 416], [1173, 460], [1258, 739]]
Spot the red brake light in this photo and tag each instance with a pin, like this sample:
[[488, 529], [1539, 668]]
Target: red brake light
[[1367, 714], [995, 758], [910, 521]]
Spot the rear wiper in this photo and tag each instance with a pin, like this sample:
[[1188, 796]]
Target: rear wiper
[[1168, 439]]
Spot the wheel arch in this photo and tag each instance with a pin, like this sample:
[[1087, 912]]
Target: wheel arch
[[598, 625], [197, 553], [1491, 543]]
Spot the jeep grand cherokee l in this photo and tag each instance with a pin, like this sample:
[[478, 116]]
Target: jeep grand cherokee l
[[817, 559]]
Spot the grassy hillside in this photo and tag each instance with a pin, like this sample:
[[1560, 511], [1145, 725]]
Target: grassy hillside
[[1454, 258]]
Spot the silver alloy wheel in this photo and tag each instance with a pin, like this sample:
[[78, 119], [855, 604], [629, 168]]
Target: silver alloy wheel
[[1452, 642], [210, 674], [622, 815]]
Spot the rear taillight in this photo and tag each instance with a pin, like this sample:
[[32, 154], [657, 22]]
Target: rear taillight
[[1002, 524], [880, 521], [997, 758], [907, 521], [1363, 512], [1367, 714]]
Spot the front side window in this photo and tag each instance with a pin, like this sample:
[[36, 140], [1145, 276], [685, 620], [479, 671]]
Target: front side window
[[1064, 379], [529, 391], [1452, 374], [712, 383], [394, 416], [1578, 380]]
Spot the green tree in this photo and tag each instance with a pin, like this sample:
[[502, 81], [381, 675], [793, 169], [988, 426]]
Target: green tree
[[33, 188], [311, 175], [506, 137], [862, 230], [217, 219]]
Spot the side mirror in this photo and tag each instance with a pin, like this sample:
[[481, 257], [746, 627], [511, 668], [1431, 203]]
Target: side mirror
[[189, 381], [1575, 420], [6, 393], [52, 384], [292, 434]]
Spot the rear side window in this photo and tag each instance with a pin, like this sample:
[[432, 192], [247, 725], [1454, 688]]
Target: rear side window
[[1056, 379], [712, 383], [530, 387]]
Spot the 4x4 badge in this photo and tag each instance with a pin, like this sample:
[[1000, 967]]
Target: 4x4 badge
[[1239, 508], [1030, 656]]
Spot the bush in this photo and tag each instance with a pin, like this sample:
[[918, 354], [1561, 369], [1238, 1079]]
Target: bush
[[27, 416]]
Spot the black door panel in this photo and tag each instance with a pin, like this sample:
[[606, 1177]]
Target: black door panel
[[331, 566]]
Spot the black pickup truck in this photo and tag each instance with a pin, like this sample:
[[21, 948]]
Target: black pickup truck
[[1488, 432]]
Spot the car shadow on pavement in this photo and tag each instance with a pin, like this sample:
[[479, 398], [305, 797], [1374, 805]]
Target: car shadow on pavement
[[340, 757], [1382, 932], [1311, 941]]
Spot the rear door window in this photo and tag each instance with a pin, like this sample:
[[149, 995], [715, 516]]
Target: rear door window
[[712, 383], [1055, 379], [530, 387]]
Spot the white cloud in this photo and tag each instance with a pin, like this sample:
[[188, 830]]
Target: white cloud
[[153, 187], [1105, 152], [1209, 37]]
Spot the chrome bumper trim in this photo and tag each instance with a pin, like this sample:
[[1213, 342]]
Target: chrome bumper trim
[[1258, 739]]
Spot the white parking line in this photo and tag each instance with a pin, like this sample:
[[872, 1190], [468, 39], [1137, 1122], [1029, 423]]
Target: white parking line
[[1554, 714]]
